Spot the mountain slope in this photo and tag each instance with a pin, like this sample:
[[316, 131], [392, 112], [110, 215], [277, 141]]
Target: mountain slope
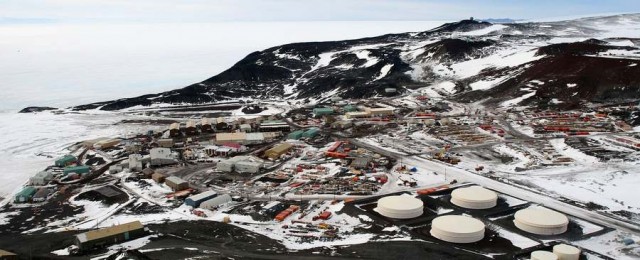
[[493, 62]]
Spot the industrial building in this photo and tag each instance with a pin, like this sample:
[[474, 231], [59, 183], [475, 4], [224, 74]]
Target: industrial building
[[295, 135], [349, 108], [41, 178], [162, 156], [176, 184], [230, 137], [361, 162], [191, 128], [245, 128], [474, 197], [457, 229], [41, 195], [278, 150], [381, 111], [541, 221], [212, 204], [25, 194], [111, 235], [352, 115], [205, 125], [400, 207], [165, 143], [135, 162], [80, 170], [241, 164], [158, 177], [195, 200], [274, 125], [174, 129], [321, 111], [566, 252], [311, 133], [66, 160]]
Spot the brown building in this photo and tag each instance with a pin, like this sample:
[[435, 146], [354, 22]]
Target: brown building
[[278, 150], [6, 255], [107, 236]]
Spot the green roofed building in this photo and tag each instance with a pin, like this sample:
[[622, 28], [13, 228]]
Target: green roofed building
[[321, 111], [65, 160], [350, 108], [296, 135], [25, 194], [77, 169], [311, 133]]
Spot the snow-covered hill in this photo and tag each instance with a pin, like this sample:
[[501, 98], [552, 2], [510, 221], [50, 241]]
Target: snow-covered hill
[[563, 64]]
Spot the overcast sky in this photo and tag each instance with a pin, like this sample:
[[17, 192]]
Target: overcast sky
[[110, 11]]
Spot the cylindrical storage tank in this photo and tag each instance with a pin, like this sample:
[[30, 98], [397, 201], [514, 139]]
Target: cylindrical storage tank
[[541, 221], [400, 207], [457, 229], [543, 255], [566, 252], [474, 197]]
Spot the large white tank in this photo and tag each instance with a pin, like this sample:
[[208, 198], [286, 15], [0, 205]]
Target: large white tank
[[400, 207], [457, 229], [541, 221], [474, 197], [543, 255], [566, 252]]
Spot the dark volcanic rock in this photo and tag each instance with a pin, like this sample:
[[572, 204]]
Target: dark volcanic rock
[[36, 109]]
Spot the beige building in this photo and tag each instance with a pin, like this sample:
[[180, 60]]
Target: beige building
[[278, 150]]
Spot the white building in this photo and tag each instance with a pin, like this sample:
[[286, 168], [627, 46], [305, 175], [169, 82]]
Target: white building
[[41, 178], [240, 164], [135, 162], [162, 156]]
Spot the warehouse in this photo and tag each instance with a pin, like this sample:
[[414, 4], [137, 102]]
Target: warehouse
[[274, 125], [350, 108], [352, 115], [566, 252], [174, 129], [66, 160], [195, 200], [231, 137], [165, 143], [278, 150], [80, 170], [25, 194], [225, 165], [105, 144], [176, 183], [41, 195], [245, 128], [457, 229], [191, 128], [214, 203], [474, 197], [135, 162], [205, 125], [383, 111], [162, 156], [361, 162], [541, 221], [247, 167], [41, 178], [111, 235], [254, 138], [400, 207], [158, 177], [295, 135], [311, 133], [321, 111]]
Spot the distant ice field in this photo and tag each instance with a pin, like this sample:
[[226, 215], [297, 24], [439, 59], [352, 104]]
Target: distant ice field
[[71, 64]]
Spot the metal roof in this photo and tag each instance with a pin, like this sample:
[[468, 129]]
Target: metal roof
[[110, 231]]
